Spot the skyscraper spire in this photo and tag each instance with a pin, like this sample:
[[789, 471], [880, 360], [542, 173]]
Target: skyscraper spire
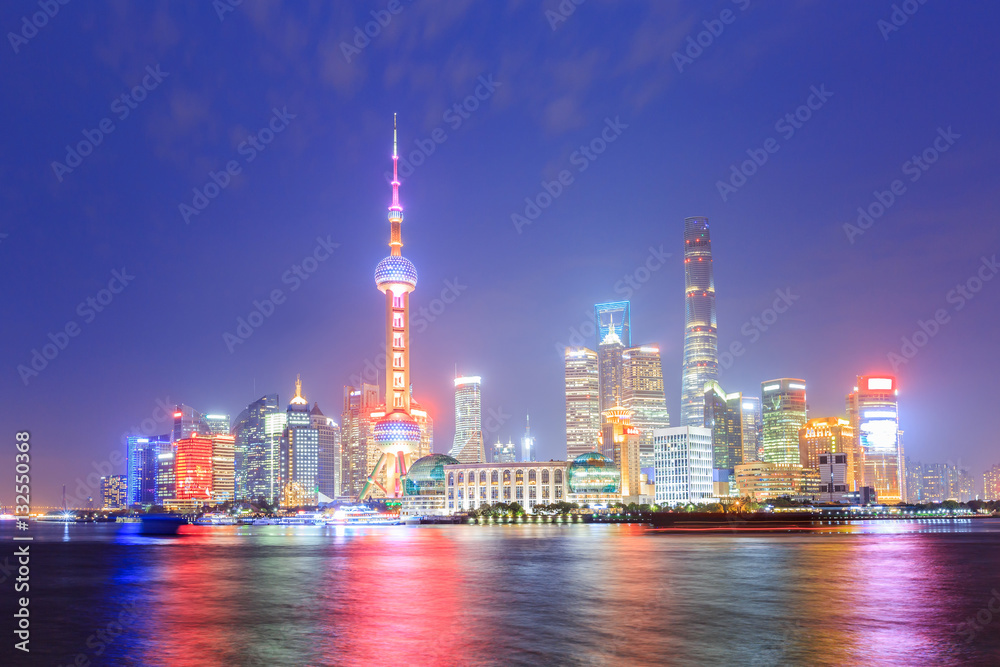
[[395, 210]]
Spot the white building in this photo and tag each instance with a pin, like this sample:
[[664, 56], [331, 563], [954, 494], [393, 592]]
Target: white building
[[833, 486], [470, 485], [468, 444], [683, 464]]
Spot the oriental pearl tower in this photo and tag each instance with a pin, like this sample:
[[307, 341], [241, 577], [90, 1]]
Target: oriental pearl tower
[[397, 434]]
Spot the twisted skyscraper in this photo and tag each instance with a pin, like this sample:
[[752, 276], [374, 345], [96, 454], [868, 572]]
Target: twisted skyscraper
[[701, 344], [396, 434]]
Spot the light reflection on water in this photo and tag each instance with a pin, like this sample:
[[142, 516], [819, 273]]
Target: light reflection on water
[[876, 593]]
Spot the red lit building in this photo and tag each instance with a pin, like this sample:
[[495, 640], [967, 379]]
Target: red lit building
[[193, 468]]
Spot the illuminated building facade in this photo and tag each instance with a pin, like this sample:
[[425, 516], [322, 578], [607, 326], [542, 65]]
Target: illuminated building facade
[[328, 456], [593, 480], [620, 442], [397, 435], [765, 480], [609, 360], [834, 483], [468, 445], [583, 412], [831, 435], [188, 421], [299, 453], [872, 410], [504, 452], [252, 452], [642, 394], [141, 457], [166, 488], [991, 483], [223, 467], [218, 424], [701, 344], [471, 485], [424, 487], [193, 469], [114, 492], [783, 412], [752, 428], [724, 417], [614, 315], [683, 464], [355, 433], [527, 441]]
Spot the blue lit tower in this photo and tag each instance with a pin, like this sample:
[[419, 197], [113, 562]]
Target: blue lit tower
[[397, 434], [701, 344]]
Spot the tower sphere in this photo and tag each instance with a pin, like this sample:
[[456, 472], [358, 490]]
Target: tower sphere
[[395, 269]]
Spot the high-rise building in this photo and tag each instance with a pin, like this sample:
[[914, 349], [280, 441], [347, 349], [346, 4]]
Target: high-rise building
[[991, 483], [256, 455], [166, 478], [468, 445], [834, 482], [642, 394], [960, 485], [299, 452], [609, 360], [504, 452], [683, 464], [188, 421], [724, 416], [831, 435], [193, 469], [329, 454], [752, 428], [783, 408], [583, 413], [528, 452], [141, 457], [764, 480], [614, 315], [218, 424], [872, 410], [397, 434], [223, 467], [113, 491], [355, 435], [701, 344]]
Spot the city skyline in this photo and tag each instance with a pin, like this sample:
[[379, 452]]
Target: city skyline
[[306, 214]]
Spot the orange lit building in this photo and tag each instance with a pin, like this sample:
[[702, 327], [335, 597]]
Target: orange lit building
[[831, 435], [621, 442]]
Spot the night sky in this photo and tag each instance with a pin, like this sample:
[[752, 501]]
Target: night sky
[[210, 79]]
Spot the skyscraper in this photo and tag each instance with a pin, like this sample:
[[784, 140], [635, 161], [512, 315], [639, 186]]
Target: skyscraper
[[752, 428], [504, 452], [873, 412], [397, 434], [141, 456], [583, 413], [356, 423], [701, 346], [255, 460], [723, 416], [113, 492], [831, 435], [642, 394], [609, 360], [193, 469], [784, 413], [620, 442], [528, 453], [683, 456], [299, 452], [329, 455], [468, 445], [223, 467], [218, 424], [188, 421], [991, 483]]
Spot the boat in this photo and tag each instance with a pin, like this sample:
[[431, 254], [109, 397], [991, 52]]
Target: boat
[[161, 524], [215, 520], [361, 515]]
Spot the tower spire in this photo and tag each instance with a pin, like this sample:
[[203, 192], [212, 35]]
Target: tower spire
[[395, 210]]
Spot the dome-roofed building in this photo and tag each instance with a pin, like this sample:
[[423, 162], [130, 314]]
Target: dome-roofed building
[[594, 479], [424, 486]]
